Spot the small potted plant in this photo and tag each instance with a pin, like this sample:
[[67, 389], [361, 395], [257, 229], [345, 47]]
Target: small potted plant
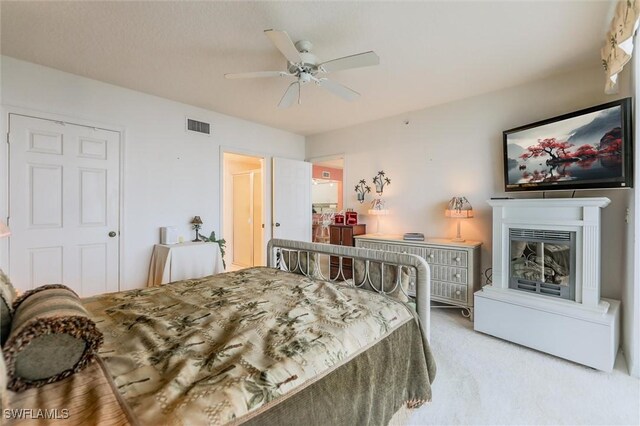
[[380, 180], [361, 189], [221, 242]]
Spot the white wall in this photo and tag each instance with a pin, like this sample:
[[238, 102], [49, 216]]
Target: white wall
[[170, 175], [456, 149]]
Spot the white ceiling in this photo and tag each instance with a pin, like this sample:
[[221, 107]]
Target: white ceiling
[[430, 52]]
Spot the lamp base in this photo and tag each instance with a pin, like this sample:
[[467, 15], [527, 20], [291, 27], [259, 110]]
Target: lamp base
[[458, 238]]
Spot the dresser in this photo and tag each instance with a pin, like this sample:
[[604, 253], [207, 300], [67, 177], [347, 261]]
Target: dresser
[[455, 267], [343, 235]]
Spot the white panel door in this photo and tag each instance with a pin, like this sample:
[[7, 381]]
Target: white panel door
[[291, 199], [63, 205]]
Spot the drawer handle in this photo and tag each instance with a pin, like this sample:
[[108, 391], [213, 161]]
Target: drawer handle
[[458, 293], [457, 259], [430, 256], [403, 252], [457, 275]]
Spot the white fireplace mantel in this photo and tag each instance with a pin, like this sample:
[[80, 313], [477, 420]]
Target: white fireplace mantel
[[600, 202], [579, 215], [585, 329]]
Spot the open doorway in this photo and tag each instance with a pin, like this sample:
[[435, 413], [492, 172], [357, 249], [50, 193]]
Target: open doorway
[[327, 195], [243, 210]]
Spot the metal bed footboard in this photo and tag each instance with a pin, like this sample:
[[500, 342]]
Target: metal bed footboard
[[383, 258]]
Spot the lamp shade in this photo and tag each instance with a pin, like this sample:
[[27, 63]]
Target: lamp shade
[[196, 220], [4, 230], [460, 208]]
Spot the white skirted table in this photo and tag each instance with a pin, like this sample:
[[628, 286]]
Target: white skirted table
[[175, 262]]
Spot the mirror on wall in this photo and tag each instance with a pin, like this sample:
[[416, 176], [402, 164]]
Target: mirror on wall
[[327, 193]]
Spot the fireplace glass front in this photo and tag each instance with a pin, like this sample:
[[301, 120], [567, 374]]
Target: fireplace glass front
[[543, 262]]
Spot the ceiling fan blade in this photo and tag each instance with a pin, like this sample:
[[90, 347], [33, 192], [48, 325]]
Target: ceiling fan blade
[[365, 59], [257, 74], [290, 95], [283, 43], [338, 89]]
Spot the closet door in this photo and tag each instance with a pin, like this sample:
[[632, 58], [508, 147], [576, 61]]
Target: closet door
[[64, 205], [242, 220]]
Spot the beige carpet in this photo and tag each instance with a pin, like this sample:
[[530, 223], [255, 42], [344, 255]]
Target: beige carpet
[[482, 380]]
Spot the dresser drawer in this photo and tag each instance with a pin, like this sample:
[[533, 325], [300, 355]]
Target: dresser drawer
[[450, 274], [448, 291], [394, 248], [438, 256], [369, 245]]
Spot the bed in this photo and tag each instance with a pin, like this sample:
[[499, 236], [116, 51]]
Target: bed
[[268, 345]]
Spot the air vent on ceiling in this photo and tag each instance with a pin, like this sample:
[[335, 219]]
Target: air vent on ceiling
[[198, 126]]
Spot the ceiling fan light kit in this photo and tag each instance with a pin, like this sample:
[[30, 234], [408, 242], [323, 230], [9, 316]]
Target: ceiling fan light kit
[[304, 66]]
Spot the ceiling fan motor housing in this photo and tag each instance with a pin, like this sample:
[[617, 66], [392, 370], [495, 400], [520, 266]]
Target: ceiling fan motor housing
[[309, 63]]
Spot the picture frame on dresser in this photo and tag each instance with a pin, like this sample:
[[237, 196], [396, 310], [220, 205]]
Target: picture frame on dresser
[[455, 266]]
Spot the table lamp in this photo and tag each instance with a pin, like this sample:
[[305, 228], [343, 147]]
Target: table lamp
[[4, 230], [459, 208], [378, 209], [197, 224]]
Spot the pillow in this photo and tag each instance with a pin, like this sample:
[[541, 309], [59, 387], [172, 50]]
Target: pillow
[[51, 337], [292, 256], [390, 276], [7, 296]]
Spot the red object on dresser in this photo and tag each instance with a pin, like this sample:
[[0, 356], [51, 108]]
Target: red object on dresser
[[351, 217], [338, 219]]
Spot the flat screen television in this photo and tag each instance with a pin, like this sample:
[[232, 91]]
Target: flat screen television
[[587, 149]]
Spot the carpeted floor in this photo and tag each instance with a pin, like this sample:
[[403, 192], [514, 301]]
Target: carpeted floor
[[482, 380]]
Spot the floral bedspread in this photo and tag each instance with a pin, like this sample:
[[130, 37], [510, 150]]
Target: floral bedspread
[[212, 350]]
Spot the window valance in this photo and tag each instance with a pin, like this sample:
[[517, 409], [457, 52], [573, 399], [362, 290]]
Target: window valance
[[619, 43]]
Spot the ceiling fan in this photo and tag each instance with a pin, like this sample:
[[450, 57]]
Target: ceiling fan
[[304, 66]]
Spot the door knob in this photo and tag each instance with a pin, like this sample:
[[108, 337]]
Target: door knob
[[277, 224], [112, 234]]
